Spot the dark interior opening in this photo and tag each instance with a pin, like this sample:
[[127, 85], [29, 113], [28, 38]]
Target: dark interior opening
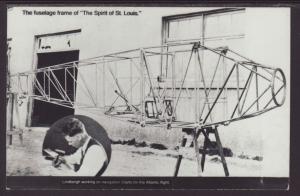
[[44, 113]]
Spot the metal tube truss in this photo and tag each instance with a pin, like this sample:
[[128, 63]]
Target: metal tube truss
[[190, 92]]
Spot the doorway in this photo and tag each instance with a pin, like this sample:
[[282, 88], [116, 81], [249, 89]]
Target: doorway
[[44, 113]]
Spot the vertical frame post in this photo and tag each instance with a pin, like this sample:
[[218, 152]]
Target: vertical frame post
[[221, 153], [142, 87]]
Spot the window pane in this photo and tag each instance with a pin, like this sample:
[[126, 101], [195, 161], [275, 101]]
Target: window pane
[[225, 24], [190, 28]]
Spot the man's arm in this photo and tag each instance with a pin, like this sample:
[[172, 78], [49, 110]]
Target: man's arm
[[68, 160], [93, 161], [73, 158]]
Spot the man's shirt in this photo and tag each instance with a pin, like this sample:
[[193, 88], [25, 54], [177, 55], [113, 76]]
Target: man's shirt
[[92, 159]]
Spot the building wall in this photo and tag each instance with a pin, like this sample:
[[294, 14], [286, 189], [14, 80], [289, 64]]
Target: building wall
[[267, 41], [100, 34]]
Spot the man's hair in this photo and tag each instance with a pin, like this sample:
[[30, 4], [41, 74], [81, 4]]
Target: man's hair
[[73, 127]]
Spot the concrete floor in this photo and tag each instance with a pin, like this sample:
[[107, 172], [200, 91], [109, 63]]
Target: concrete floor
[[26, 160]]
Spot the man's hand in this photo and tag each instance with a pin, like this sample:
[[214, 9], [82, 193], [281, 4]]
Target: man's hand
[[57, 161]]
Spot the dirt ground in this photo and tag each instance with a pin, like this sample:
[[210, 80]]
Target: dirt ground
[[26, 160]]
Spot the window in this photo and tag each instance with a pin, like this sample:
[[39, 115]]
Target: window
[[214, 28], [222, 27]]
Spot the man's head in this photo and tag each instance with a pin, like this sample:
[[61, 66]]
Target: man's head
[[75, 132]]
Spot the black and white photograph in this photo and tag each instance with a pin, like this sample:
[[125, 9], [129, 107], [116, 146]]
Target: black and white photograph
[[167, 92]]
